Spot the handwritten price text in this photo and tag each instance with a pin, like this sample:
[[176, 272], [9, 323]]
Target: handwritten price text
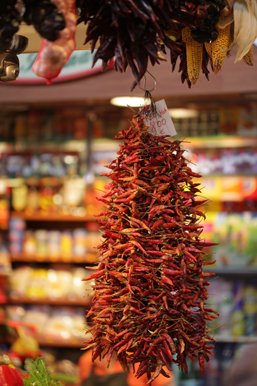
[[157, 127]]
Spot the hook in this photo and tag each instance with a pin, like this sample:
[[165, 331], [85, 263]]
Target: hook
[[144, 88]]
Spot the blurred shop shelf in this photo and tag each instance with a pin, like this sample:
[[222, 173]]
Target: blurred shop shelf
[[235, 339], [38, 216], [223, 175], [220, 141], [5, 273], [60, 343], [233, 271], [65, 343], [49, 301], [91, 257]]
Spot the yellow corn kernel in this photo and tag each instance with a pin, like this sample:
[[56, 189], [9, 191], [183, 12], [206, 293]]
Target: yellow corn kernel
[[220, 48], [194, 54], [248, 58], [186, 34]]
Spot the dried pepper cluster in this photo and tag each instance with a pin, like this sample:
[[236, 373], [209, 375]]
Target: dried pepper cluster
[[135, 32], [42, 14], [150, 288], [45, 17], [10, 20]]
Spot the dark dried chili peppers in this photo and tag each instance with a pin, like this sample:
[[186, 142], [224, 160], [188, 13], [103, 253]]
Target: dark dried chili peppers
[[47, 20], [10, 20], [150, 289], [42, 14], [137, 32]]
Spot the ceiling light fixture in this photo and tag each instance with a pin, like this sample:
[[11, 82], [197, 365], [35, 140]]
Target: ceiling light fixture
[[183, 113], [130, 101]]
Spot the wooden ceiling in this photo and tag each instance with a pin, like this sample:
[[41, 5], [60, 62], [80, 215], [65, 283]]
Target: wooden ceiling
[[235, 83]]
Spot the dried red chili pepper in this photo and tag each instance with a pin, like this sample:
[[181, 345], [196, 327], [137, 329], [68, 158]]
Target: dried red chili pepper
[[149, 293]]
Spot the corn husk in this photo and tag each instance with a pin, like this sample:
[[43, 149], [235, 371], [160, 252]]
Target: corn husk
[[245, 26], [248, 58]]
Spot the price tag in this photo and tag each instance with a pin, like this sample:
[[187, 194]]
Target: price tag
[[160, 123]]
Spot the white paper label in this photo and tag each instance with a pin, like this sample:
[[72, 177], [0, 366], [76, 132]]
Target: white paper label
[[160, 123]]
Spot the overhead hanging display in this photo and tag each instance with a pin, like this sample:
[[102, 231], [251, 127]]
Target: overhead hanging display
[[199, 34]]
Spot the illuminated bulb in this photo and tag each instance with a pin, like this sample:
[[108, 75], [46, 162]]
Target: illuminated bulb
[[57, 199], [52, 276], [77, 282], [65, 335], [183, 113], [130, 101], [69, 159]]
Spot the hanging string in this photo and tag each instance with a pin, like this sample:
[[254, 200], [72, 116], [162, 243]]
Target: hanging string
[[148, 96]]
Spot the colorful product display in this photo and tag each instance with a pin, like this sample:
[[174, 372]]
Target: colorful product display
[[69, 197], [49, 283], [224, 161], [66, 323], [51, 169], [236, 303], [57, 125], [41, 165], [72, 124], [55, 244], [5, 263], [51, 183], [236, 238]]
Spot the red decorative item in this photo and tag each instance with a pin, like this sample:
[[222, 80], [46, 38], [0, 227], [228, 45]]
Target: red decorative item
[[10, 376], [150, 288]]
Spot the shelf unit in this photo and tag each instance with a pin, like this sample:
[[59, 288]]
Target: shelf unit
[[91, 257], [62, 221], [232, 275], [60, 343], [220, 141], [4, 273], [112, 146], [233, 271], [53, 302], [236, 175], [235, 339], [210, 142], [55, 343], [39, 216]]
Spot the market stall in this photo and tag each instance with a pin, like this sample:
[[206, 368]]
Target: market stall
[[56, 142]]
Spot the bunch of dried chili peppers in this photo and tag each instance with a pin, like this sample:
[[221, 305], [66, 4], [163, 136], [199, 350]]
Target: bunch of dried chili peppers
[[136, 33], [150, 288]]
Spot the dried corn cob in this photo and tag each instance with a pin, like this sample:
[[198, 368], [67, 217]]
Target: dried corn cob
[[186, 35], [194, 54], [220, 48], [248, 58]]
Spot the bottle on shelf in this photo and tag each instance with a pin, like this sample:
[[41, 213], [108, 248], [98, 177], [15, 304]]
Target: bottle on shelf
[[237, 315]]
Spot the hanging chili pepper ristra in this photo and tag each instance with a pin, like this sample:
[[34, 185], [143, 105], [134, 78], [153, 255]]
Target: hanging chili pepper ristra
[[197, 33], [150, 289]]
